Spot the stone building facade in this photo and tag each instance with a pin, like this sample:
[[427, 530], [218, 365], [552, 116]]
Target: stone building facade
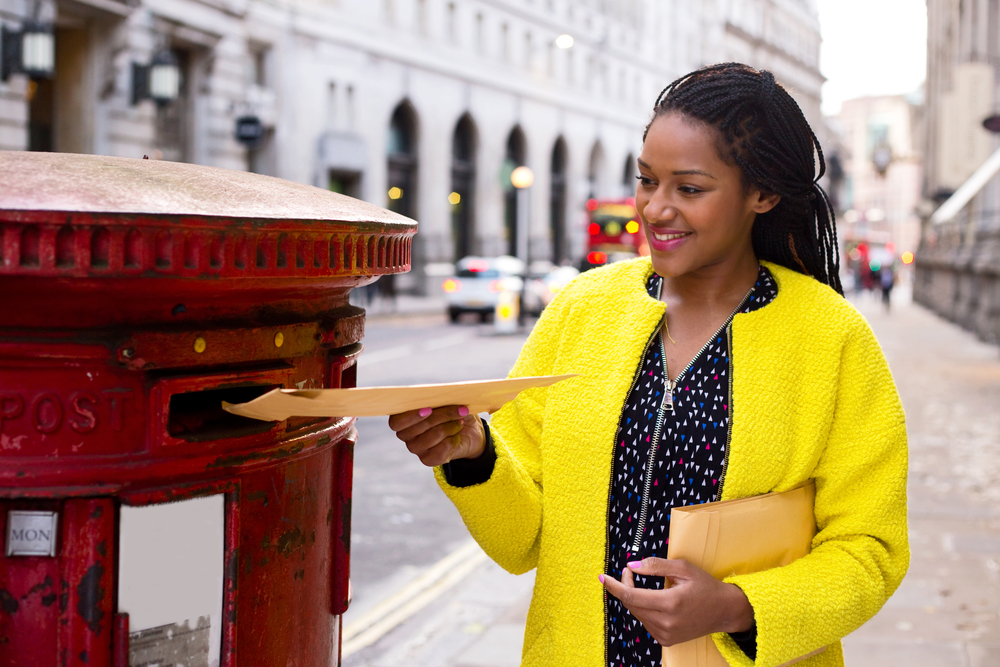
[[420, 105], [883, 169], [958, 264]]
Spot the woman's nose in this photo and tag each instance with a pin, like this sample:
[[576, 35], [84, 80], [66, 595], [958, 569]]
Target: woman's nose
[[659, 209]]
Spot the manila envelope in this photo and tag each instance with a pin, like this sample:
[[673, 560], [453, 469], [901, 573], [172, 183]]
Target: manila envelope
[[478, 396], [738, 537]]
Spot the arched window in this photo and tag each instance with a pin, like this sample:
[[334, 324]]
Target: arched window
[[402, 157], [628, 177], [595, 171], [557, 201], [515, 157], [463, 183]]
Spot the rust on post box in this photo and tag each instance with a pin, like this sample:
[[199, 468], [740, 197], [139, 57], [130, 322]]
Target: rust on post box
[[139, 295]]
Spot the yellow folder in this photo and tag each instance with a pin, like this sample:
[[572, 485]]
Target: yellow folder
[[738, 537]]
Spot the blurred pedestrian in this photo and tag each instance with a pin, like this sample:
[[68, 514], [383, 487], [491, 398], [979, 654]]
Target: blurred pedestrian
[[726, 365], [886, 278]]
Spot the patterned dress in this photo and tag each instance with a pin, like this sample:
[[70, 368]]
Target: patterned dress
[[688, 447]]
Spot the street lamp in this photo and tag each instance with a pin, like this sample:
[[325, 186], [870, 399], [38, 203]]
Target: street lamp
[[30, 51], [159, 81], [522, 178]]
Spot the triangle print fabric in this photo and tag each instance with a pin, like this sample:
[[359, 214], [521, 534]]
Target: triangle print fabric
[[687, 466]]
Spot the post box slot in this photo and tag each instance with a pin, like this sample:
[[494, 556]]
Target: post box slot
[[197, 416]]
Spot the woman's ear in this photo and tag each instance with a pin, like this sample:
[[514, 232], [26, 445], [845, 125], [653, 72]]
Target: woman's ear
[[762, 202]]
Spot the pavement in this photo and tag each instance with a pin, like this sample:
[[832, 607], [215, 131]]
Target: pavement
[[946, 613], [402, 305]]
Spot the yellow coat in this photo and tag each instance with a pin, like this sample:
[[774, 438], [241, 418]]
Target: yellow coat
[[812, 398]]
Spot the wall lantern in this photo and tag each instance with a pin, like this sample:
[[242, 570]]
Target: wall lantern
[[159, 81], [249, 131], [30, 51]]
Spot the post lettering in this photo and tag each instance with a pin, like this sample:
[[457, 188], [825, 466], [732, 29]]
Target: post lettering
[[117, 399], [47, 411], [84, 417], [11, 407]]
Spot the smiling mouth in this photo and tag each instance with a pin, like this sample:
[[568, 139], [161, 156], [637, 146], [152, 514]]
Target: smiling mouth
[[670, 236]]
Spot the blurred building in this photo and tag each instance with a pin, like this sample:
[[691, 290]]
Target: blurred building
[[958, 264], [881, 139], [424, 106]]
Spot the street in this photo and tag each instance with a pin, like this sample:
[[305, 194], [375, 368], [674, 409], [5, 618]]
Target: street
[[402, 523], [466, 611]]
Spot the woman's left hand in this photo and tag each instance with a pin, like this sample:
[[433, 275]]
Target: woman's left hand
[[692, 604]]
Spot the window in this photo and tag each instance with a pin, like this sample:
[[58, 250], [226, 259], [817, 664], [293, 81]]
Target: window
[[402, 160], [331, 106], [557, 202], [422, 16], [260, 56], [350, 108], [463, 190], [515, 157]]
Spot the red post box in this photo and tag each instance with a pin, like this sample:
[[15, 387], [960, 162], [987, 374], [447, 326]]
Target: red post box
[[140, 521]]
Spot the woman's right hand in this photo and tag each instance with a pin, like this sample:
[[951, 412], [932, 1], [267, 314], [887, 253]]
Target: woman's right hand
[[440, 435]]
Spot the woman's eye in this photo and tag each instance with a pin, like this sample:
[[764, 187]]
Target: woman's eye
[[688, 190], [645, 182]]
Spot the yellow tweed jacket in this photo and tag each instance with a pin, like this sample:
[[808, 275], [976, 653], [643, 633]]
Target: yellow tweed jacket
[[812, 398]]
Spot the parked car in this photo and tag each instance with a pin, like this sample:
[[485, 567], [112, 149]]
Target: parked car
[[478, 283], [543, 289]]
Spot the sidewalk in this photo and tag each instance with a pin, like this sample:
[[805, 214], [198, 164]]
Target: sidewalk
[[403, 305], [945, 614]]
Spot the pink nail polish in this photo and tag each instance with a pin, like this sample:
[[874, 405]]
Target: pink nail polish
[[600, 578], [463, 411], [635, 565], [425, 412]]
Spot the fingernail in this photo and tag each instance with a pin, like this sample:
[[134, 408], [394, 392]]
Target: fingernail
[[425, 412], [635, 564], [462, 411], [600, 578]]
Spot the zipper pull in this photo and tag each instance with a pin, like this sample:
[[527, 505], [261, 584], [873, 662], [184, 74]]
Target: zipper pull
[[668, 397]]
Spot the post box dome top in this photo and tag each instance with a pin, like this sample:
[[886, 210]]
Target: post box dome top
[[113, 186]]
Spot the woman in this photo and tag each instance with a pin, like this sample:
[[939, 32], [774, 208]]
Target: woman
[[726, 365]]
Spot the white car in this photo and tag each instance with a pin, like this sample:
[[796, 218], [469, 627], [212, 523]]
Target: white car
[[478, 283], [542, 290]]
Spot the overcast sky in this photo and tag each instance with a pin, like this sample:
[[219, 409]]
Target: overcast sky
[[871, 47]]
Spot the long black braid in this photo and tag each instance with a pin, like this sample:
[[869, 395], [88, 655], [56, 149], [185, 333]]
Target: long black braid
[[764, 132]]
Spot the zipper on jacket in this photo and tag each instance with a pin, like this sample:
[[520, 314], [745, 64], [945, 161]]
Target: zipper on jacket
[[611, 482], [668, 404], [729, 417]]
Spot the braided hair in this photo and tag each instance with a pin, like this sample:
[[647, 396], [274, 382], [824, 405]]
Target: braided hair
[[763, 132]]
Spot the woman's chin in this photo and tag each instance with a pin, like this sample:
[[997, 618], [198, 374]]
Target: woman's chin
[[669, 267]]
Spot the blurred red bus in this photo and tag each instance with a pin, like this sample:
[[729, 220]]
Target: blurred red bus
[[613, 232]]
